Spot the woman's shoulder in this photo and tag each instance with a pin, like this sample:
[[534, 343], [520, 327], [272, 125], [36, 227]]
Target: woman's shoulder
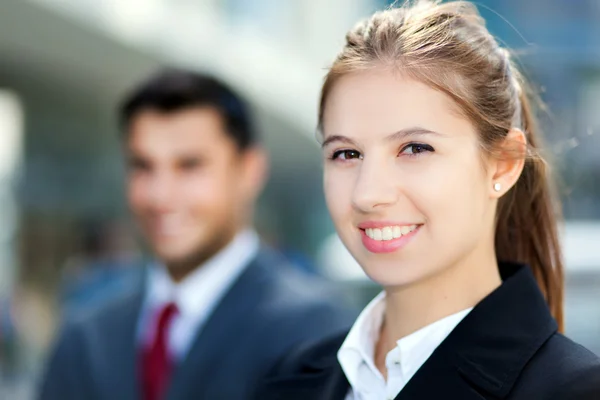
[[575, 354], [565, 369]]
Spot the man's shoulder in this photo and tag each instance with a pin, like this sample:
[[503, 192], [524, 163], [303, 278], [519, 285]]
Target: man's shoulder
[[103, 316], [289, 289], [297, 305]]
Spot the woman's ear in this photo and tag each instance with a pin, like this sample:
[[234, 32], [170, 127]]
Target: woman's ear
[[508, 162]]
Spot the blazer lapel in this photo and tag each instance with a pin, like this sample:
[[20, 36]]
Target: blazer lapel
[[485, 354], [339, 386], [233, 311], [319, 378], [439, 379], [328, 384], [121, 351]]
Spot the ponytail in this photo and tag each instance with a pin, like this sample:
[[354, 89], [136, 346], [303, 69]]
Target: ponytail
[[527, 219]]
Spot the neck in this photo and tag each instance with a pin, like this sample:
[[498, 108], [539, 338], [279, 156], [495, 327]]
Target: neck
[[180, 269], [179, 272], [457, 288]]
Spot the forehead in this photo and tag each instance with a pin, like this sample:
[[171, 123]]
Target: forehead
[[190, 129], [383, 101]]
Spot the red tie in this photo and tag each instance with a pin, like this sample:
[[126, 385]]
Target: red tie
[[156, 362]]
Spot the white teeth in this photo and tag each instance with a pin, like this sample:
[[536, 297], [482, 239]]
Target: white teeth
[[386, 233], [389, 232], [377, 234]]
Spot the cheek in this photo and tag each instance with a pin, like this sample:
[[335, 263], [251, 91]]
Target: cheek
[[451, 195], [202, 190], [136, 193], [337, 185], [212, 193]]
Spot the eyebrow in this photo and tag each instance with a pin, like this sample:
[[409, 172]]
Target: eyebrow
[[412, 131], [337, 138], [401, 134]]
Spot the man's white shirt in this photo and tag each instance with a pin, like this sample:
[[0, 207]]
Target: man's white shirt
[[196, 296]]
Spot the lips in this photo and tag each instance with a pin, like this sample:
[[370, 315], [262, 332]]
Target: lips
[[390, 232], [386, 237], [167, 225]]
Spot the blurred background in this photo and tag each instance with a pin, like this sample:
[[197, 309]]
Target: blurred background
[[66, 238]]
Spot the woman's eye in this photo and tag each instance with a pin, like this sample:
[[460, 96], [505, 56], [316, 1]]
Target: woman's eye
[[345, 155], [414, 149]]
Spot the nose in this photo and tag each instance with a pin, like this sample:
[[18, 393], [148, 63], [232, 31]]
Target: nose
[[160, 189], [375, 186]]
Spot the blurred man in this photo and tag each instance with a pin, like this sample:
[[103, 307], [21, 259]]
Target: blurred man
[[218, 308]]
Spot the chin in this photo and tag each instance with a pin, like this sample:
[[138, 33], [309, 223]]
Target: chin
[[390, 278], [393, 273], [171, 261], [174, 254]]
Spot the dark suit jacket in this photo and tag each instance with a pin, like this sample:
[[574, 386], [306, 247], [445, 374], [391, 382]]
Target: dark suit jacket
[[268, 309], [506, 348]]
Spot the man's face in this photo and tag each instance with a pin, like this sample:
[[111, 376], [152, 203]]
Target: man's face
[[189, 185]]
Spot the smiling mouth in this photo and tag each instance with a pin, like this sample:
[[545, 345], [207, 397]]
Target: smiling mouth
[[389, 232], [167, 225]]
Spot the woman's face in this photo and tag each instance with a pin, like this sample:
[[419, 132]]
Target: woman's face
[[404, 179]]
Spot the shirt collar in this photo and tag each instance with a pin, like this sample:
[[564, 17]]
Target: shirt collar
[[207, 283], [411, 351], [359, 346]]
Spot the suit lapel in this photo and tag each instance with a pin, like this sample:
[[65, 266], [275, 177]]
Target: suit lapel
[[121, 351], [233, 311], [330, 384], [485, 354], [338, 386], [318, 377], [439, 379]]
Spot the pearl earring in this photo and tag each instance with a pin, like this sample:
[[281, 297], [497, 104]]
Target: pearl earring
[[497, 187]]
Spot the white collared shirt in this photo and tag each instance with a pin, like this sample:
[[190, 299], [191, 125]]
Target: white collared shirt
[[357, 354], [196, 296]]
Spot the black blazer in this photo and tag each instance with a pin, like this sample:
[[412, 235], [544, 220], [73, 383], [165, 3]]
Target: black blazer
[[506, 348]]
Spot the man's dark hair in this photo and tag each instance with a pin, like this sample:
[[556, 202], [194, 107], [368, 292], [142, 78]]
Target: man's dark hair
[[171, 90]]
